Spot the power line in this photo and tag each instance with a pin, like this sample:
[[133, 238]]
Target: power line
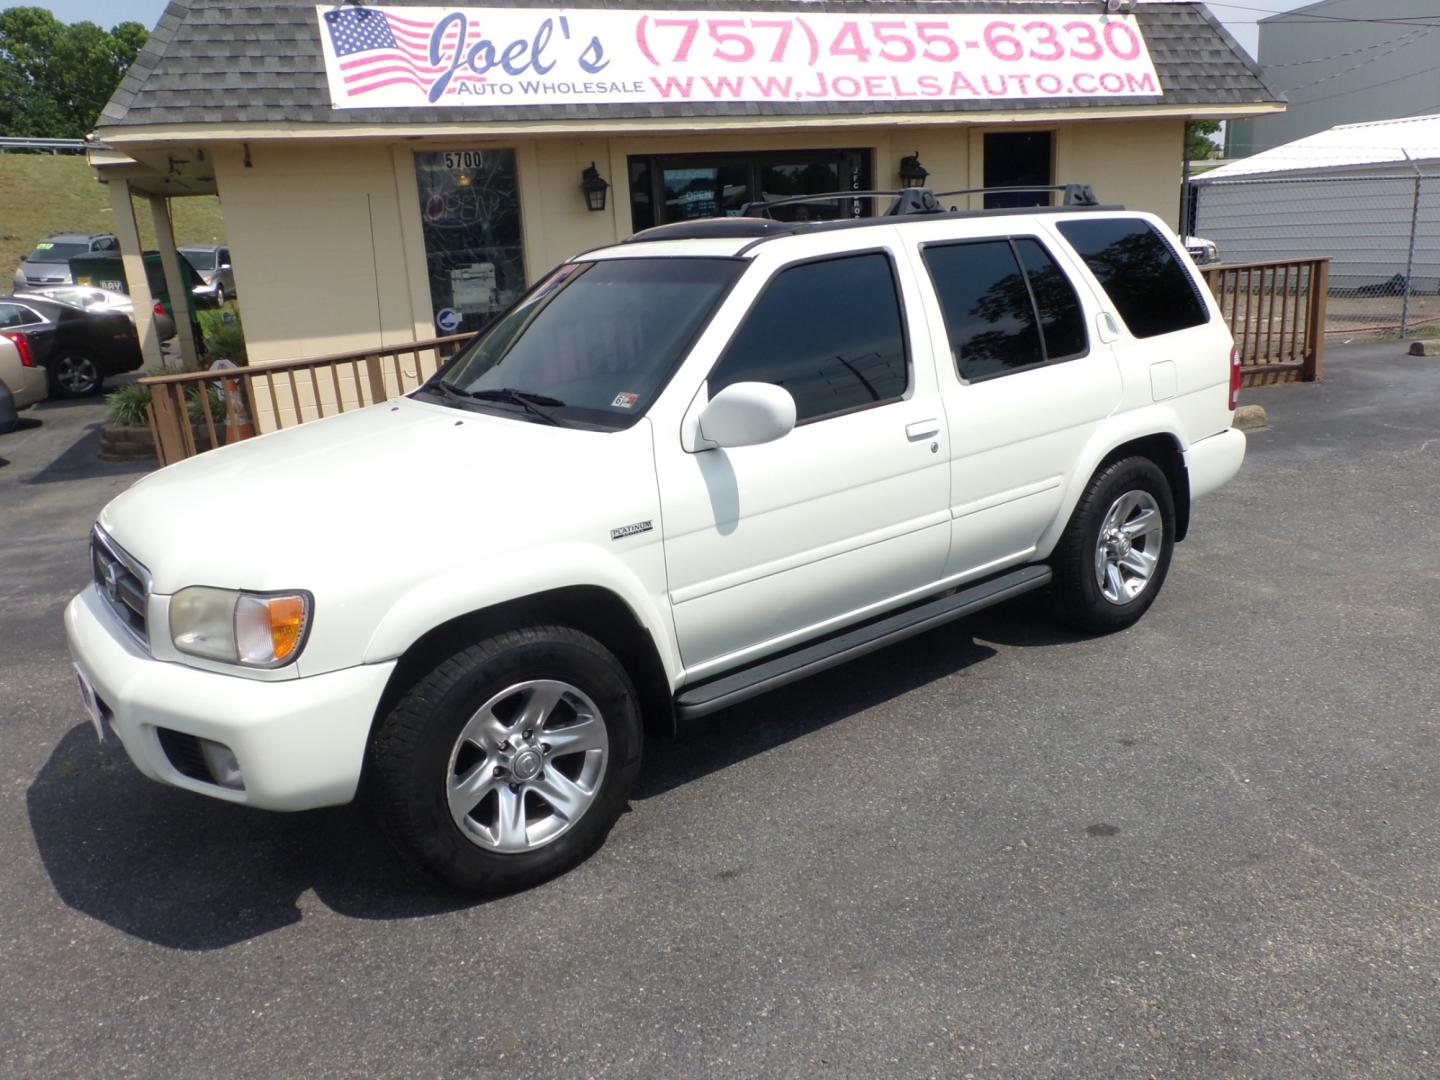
[[1405, 39], [1363, 89], [1303, 18], [1357, 67]]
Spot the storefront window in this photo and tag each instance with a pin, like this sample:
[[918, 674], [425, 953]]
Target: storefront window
[[683, 187], [1017, 158], [470, 216]]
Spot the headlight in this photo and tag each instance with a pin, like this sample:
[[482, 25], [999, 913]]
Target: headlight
[[254, 629]]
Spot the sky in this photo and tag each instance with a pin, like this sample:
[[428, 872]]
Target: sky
[[1240, 17]]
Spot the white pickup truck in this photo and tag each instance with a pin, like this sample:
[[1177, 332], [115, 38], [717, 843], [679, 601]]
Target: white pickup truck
[[680, 471]]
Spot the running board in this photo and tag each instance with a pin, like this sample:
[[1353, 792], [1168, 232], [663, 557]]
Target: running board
[[738, 686]]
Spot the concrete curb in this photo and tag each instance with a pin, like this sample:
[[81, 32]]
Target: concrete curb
[[1250, 417]]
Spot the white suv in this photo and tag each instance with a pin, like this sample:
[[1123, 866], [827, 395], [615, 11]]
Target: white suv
[[679, 472]]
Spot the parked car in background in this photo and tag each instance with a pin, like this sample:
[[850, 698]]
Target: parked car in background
[[106, 270], [94, 299], [80, 349], [212, 263], [49, 262], [23, 380]]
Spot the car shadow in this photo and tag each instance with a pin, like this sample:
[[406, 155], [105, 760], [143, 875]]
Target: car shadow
[[192, 873], [1025, 622], [189, 872], [761, 724], [81, 461]]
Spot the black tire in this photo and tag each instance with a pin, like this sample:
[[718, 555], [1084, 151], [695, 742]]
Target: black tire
[[75, 373], [1079, 597], [415, 747]]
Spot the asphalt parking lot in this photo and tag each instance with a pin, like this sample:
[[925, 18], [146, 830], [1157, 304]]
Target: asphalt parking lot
[[1208, 846]]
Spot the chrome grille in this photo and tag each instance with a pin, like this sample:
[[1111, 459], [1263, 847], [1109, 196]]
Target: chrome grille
[[123, 582]]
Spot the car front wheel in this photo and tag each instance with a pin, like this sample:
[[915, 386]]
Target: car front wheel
[[75, 374], [1115, 552], [508, 763]]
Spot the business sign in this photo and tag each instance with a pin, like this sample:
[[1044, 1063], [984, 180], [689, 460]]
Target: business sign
[[378, 57]]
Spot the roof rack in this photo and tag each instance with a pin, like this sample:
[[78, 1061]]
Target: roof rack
[[1075, 194], [761, 207], [912, 200], [756, 223], [715, 228]]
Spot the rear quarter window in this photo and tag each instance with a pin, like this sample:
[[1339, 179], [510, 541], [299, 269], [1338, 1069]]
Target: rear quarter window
[[1141, 273]]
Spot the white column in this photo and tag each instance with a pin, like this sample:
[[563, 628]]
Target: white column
[[180, 298], [133, 259]]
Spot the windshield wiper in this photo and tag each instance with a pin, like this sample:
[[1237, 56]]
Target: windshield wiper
[[535, 404]]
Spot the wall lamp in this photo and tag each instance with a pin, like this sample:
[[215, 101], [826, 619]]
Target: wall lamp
[[912, 173], [594, 185]]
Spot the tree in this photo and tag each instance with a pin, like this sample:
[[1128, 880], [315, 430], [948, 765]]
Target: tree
[[55, 78], [1198, 144]]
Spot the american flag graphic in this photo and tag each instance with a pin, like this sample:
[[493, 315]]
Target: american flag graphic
[[377, 49]]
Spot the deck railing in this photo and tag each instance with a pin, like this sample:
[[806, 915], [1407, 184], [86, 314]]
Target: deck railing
[[237, 402], [1276, 312]]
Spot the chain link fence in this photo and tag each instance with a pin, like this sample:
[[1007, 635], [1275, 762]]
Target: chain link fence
[[1381, 233]]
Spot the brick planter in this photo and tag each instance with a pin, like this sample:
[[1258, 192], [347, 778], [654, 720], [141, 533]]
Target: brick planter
[[133, 442]]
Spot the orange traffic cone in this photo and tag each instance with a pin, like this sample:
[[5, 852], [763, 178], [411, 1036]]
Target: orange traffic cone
[[238, 422]]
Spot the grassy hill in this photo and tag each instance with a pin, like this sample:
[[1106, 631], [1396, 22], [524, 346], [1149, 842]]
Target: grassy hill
[[44, 193]]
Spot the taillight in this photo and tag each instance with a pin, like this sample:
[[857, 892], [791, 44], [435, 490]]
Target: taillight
[[22, 346], [159, 308], [1234, 378]]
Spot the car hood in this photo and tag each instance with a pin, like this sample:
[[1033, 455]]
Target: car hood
[[381, 495]]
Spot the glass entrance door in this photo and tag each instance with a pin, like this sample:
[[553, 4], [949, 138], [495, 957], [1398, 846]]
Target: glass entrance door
[[666, 188]]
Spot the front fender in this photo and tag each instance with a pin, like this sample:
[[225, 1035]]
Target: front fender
[[517, 575], [1117, 430]]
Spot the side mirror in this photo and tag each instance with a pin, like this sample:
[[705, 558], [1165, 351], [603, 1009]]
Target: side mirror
[[747, 414]]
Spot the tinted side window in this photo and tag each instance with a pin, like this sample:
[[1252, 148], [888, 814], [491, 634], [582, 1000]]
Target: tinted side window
[[15, 315], [829, 332], [1062, 322], [988, 315], [1140, 271]]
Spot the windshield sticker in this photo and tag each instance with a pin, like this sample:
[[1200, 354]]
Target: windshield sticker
[[624, 401]]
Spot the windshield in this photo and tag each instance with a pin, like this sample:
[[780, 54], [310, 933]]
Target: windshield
[[594, 343], [49, 252], [77, 297], [201, 259]]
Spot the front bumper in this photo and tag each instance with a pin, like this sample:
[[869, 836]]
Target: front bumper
[[208, 294], [300, 743]]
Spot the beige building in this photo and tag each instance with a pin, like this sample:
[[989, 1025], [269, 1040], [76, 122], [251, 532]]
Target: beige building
[[371, 225]]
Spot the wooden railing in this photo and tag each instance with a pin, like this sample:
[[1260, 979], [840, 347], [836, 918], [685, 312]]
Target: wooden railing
[[236, 403], [1276, 312]]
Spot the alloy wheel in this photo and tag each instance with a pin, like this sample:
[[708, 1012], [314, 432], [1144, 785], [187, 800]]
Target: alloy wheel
[[1127, 550], [527, 766], [77, 374]]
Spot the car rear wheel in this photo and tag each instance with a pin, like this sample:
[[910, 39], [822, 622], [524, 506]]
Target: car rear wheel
[[508, 763], [1115, 552], [75, 374]]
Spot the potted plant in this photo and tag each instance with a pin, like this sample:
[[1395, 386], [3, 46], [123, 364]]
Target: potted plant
[[126, 435]]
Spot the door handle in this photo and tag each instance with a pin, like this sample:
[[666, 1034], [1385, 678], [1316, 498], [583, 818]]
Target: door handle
[[922, 429]]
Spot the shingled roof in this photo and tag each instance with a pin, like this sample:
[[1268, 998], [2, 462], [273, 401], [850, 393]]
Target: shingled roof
[[260, 61]]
